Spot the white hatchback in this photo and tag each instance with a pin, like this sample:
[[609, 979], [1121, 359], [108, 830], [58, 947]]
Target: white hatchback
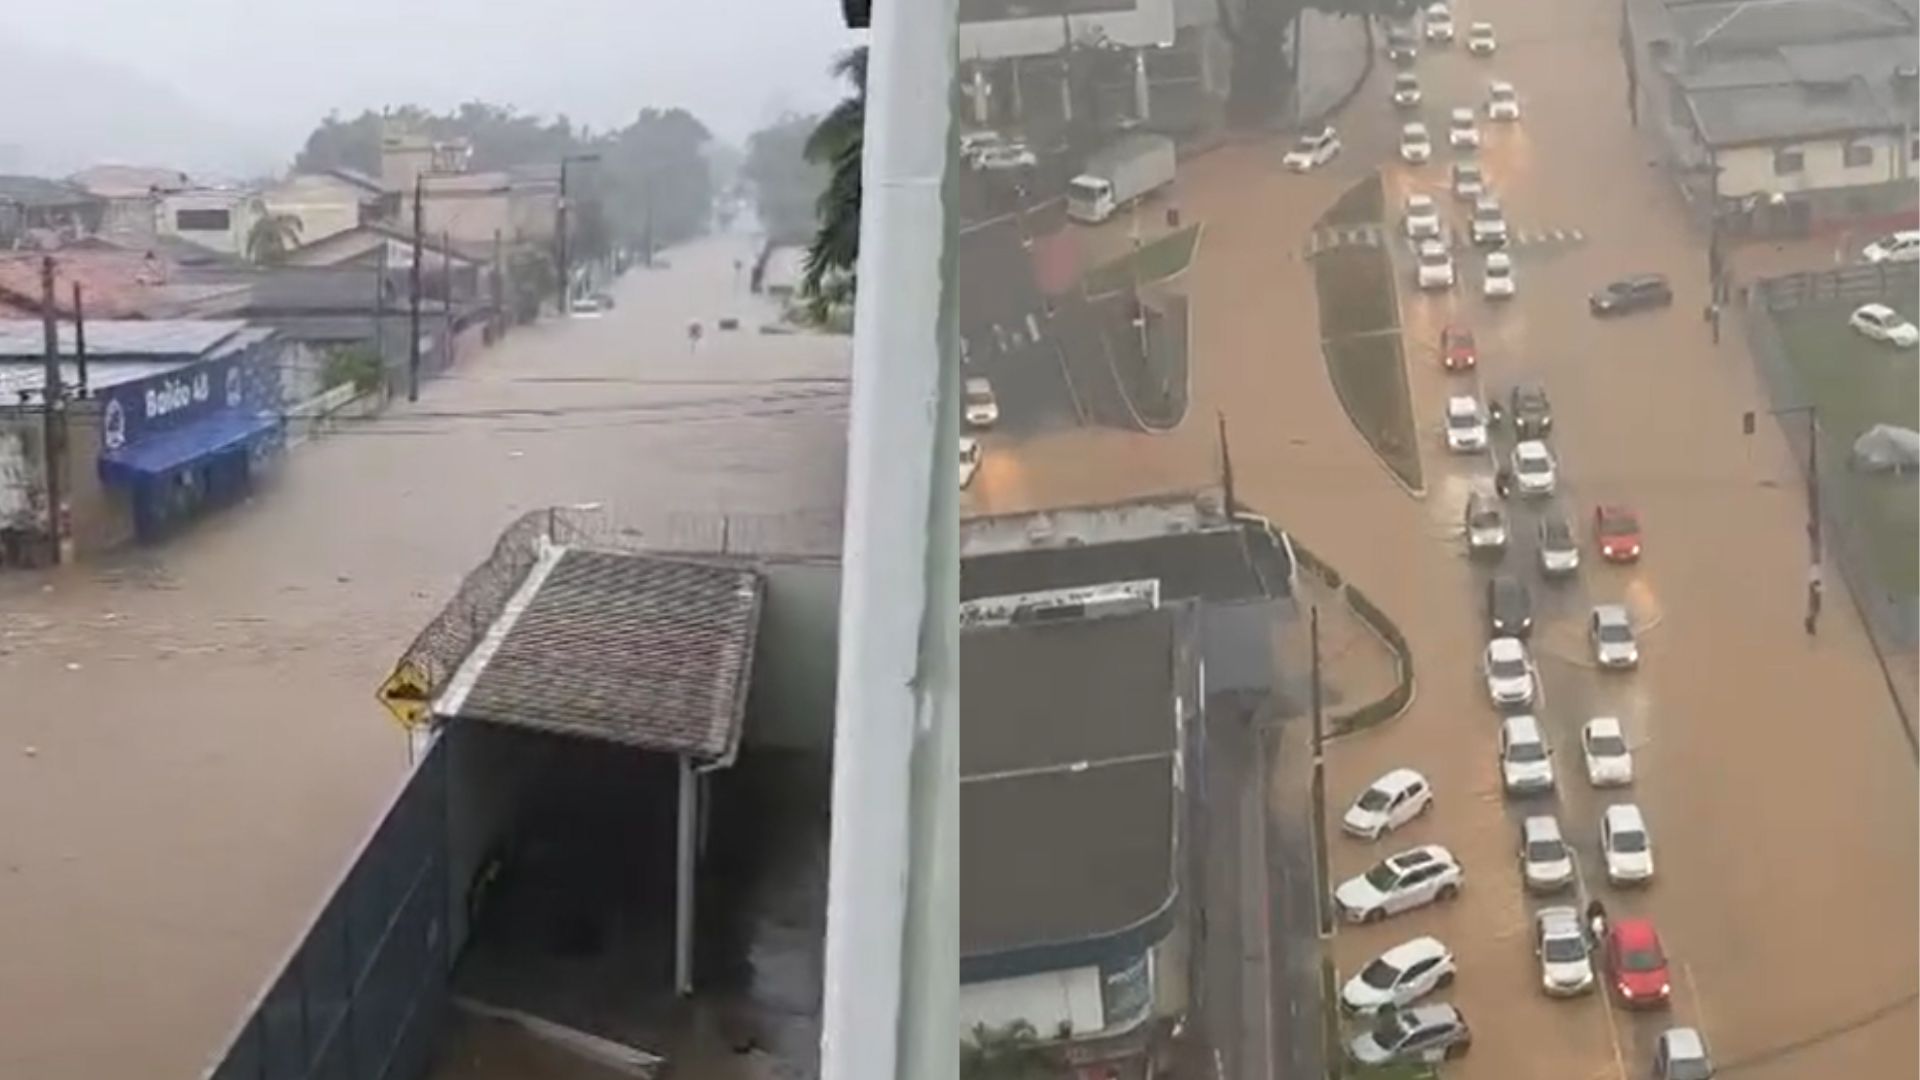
[[1882, 323], [1903, 246], [1566, 961], [1416, 146], [1626, 845], [1526, 762], [1399, 883], [1399, 977], [1480, 40], [1388, 803], [1466, 425], [1610, 630], [1439, 24], [1603, 743], [1509, 672], [1462, 134], [1533, 468], [1312, 150], [1435, 270]]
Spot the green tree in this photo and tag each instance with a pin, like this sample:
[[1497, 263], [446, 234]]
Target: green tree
[[785, 185], [272, 236], [837, 142], [1012, 1052]]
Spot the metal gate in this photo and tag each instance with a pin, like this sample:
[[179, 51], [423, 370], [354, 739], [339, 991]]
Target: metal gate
[[364, 995]]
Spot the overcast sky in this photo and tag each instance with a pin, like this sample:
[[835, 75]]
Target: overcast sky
[[262, 72]]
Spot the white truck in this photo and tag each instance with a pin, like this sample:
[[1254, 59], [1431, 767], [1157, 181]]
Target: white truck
[[1119, 174]]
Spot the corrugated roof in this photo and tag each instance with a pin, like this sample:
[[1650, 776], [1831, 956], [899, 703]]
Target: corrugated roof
[[635, 649], [36, 191], [156, 338], [1802, 91], [1729, 26], [1219, 564]]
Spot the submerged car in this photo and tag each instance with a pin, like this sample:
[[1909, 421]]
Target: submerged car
[[1630, 294], [1416, 146], [1503, 102], [1903, 246], [1625, 844], [1509, 606], [1881, 323], [1531, 410], [1423, 1033], [1462, 133], [1616, 529], [1496, 277], [1439, 24], [1637, 965], [1546, 863], [1468, 180], [1422, 217], [969, 460], [1435, 268], [1313, 150], [1486, 523], [1489, 223], [1406, 90], [1388, 803], [1399, 977], [1458, 351], [1480, 40], [1402, 47], [1399, 883], [1559, 551], [1526, 762], [1534, 471], [1566, 964], [1680, 1053]]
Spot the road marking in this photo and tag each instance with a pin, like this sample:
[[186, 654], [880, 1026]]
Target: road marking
[[1699, 1003], [1033, 326]]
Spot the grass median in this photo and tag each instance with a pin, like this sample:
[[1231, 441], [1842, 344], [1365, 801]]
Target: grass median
[[1370, 378], [1857, 383], [1157, 261]]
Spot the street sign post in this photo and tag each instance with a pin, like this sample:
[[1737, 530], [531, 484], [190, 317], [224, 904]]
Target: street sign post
[[407, 695]]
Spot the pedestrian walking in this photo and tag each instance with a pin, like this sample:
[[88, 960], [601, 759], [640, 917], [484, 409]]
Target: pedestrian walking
[[1814, 593], [1597, 920]]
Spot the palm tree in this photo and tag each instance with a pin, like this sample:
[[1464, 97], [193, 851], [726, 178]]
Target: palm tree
[[272, 236], [1012, 1052], [837, 142]]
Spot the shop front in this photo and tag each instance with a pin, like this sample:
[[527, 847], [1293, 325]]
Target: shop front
[[192, 439]]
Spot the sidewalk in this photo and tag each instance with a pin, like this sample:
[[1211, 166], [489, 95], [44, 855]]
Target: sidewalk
[[1356, 667]]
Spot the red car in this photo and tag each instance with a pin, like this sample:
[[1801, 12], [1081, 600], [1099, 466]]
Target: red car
[[1457, 351], [1617, 530], [1636, 964]]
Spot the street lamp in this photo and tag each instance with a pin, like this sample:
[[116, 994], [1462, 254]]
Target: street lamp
[[560, 228]]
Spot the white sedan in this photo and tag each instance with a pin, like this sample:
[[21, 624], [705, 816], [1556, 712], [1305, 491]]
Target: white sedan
[[1503, 102], [1603, 742], [1533, 468], [1423, 217], [1399, 977], [1624, 842], [1435, 267], [1461, 132], [1566, 963], [1312, 150], [1546, 863], [1496, 281], [1388, 803], [1399, 883], [1416, 146], [1439, 24], [1509, 672], [1882, 323], [1480, 38], [1466, 425], [1610, 629]]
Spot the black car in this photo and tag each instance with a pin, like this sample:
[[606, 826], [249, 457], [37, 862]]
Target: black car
[[1509, 606], [1401, 48], [1531, 411], [1632, 294]]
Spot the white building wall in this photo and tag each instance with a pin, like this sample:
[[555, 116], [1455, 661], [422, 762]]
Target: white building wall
[[1046, 1001], [1151, 22], [1748, 170], [243, 209]]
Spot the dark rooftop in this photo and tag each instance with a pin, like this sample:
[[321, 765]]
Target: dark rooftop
[[648, 652], [1067, 754], [36, 191], [1219, 564]]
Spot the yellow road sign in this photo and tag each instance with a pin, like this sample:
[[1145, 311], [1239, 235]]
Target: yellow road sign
[[407, 695]]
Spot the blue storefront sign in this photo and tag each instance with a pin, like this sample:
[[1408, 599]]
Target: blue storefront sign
[[192, 437]]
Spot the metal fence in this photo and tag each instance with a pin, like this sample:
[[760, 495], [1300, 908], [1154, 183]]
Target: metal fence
[[1848, 284], [364, 996], [1893, 621]]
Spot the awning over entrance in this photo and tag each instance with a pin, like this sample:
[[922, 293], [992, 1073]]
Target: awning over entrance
[[650, 652], [166, 451]]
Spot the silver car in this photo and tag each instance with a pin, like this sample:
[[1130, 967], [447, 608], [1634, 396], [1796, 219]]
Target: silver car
[[1566, 961], [1426, 1033], [1610, 629]]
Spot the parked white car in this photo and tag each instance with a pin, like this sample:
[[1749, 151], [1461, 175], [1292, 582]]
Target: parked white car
[[1903, 246], [969, 460], [1406, 90], [1496, 278], [1626, 845], [1566, 960], [1462, 133], [1509, 671], [1399, 883], [1466, 425], [982, 407], [1416, 146], [1423, 218], [1546, 862], [1005, 158], [1436, 266], [1526, 762], [1603, 743], [1489, 223], [1533, 468], [1480, 39], [1439, 23], [1388, 803], [1429, 1033], [1312, 150], [1503, 102], [1882, 323], [1610, 630], [1399, 977]]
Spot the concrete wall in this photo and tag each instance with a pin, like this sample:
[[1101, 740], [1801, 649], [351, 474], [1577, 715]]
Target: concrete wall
[[1748, 170], [795, 661], [1046, 1001]]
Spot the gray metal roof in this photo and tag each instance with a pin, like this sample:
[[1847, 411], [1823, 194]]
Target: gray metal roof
[[27, 377], [1731, 26], [1067, 740], [635, 649], [1231, 563], [155, 338]]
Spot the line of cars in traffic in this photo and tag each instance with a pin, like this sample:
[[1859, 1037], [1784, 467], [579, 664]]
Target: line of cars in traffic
[[1393, 991]]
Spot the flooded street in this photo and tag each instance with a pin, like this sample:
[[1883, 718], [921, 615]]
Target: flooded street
[[190, 749], [1771, 765]]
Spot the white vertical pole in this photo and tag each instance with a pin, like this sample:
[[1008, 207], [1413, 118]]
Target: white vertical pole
[[892, 948]]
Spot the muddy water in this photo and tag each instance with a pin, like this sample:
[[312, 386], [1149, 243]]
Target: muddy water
[[1771, 767], [189, 748]]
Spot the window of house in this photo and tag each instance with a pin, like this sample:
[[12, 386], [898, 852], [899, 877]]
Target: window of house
[[201, 220], [1856, 155], [1788, 162]]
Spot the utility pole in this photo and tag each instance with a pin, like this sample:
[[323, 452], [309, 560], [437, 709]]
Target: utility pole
[[560, 234], [446, 294], [1226, 464], [79, 341], [379, 316], [413, 300], [1321, 873], [53, 417]]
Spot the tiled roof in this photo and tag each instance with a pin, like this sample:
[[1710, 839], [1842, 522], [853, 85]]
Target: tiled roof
[[157, 339], [640, 650], [115, 284]]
